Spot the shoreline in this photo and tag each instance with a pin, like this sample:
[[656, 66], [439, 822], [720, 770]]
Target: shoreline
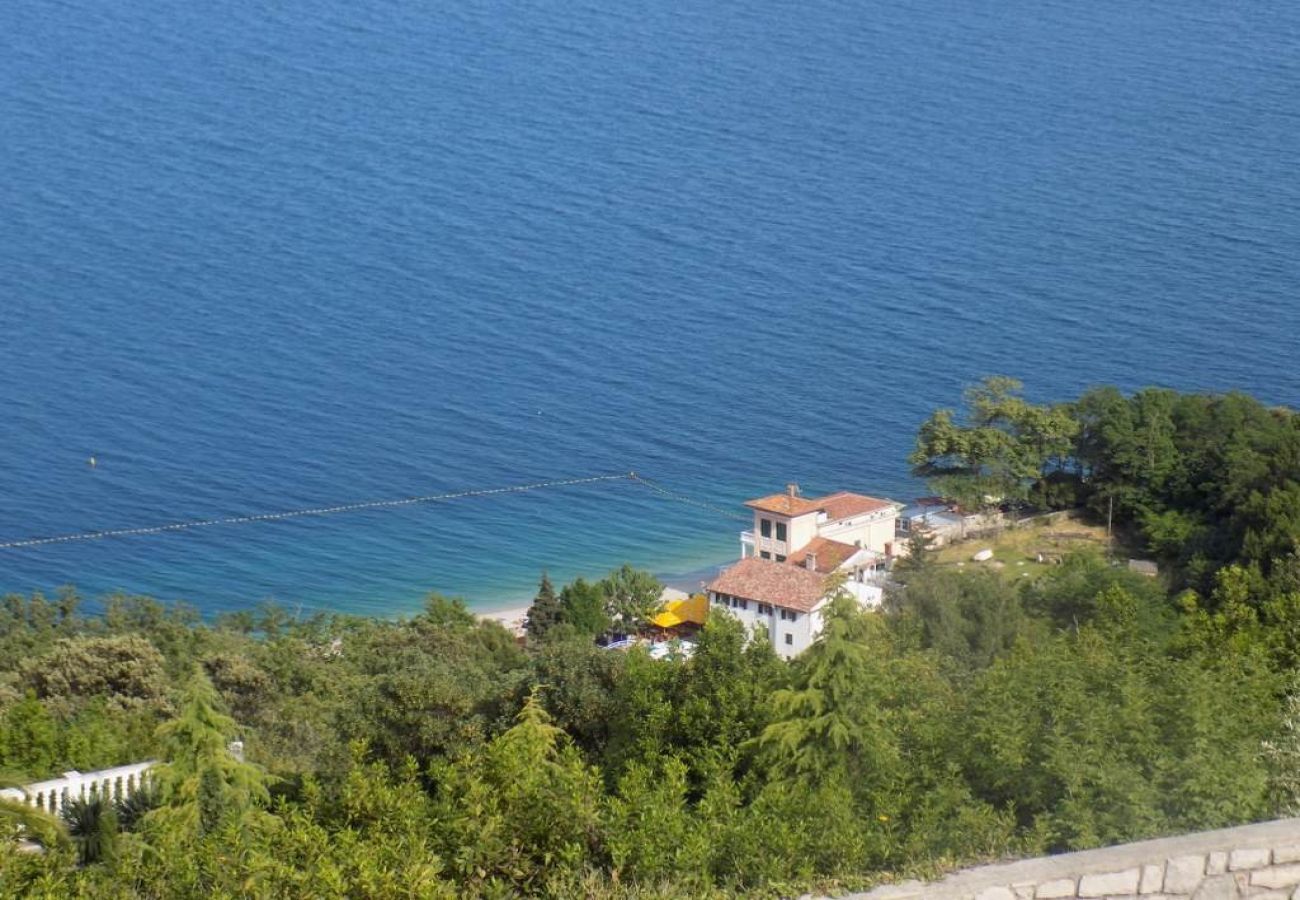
[[513, 617], [688, 581]]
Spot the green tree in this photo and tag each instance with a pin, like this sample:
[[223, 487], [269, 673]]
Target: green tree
[[546, 612], [202, 784], [1001, 452], [631, 598], [583, 606], [126, 670], [831, 724], [653, 837], [29, 740], [970, 617], [581, 689], [718, 697], [523, 811], [920, 556]]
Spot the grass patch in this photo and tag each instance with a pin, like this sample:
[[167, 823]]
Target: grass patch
[[1016, 550]]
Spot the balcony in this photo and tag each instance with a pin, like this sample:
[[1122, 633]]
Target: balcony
[[752, 546]]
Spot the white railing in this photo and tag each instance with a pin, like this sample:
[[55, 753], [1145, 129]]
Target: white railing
[[772, 545], [109, 784]]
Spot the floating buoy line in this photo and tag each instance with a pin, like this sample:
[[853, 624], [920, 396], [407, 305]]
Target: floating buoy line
[[355, 507]]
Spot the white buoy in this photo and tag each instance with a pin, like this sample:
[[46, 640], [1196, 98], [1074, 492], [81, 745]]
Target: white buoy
[[93, 462]]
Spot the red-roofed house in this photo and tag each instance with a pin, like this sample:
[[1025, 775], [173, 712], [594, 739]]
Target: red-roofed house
[[778, 599], [785, 524], [797, 542]]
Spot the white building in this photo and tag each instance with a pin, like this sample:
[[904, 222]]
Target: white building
[[779, 585], [787, 524], [943, 520]]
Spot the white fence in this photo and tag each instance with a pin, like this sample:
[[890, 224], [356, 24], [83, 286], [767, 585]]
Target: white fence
[[108, 784]]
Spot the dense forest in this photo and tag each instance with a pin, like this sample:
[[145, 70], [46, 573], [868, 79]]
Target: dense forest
[[975, 717]]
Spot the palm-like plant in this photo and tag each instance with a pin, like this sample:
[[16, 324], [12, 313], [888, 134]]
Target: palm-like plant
[[132, 808], [92, 824]]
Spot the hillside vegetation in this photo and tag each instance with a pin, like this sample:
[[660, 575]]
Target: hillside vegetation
[[977, 717]]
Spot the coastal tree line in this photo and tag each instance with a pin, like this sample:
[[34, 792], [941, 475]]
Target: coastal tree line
[[976, 717]]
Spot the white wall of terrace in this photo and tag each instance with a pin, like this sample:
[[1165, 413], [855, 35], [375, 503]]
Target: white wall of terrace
[[111, 784]]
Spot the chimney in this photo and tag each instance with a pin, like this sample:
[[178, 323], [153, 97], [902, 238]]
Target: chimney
[[810, 562], [792, 489]]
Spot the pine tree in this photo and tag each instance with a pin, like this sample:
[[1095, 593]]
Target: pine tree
[[524, 809], [831, 724], [545, 612], [202, 783]]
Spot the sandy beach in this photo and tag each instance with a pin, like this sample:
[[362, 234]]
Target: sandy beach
[[512, 617]]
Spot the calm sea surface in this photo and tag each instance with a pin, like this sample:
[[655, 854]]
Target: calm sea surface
[[264, 256]]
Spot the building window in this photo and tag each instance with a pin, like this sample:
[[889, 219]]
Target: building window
[[765, 527], [744, 604], [765, 609], [780, 531], [789, 640], [765, 554], [780, 557]]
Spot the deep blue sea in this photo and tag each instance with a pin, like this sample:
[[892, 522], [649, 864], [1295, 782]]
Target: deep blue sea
[[260, 256]]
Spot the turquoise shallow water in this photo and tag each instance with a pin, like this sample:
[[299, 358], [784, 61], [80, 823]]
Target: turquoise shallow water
[[257, 257]]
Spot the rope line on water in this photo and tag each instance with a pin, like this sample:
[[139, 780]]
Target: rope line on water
[[685, 498], [368, 504], [313, 511]]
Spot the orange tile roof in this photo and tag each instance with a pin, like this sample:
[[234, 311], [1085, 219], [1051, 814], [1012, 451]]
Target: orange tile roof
[[765, 581], [830, 555], [784, 504], [844, 504]]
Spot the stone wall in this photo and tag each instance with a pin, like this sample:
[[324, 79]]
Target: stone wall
[[1261, 862]]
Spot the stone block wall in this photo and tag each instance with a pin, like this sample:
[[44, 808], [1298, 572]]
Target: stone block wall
[[1253, 862]]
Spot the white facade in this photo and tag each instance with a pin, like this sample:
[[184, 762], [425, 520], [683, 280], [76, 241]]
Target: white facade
[[873, 530], [869, 596], [789, 631], [842, 532], [777, 536]]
